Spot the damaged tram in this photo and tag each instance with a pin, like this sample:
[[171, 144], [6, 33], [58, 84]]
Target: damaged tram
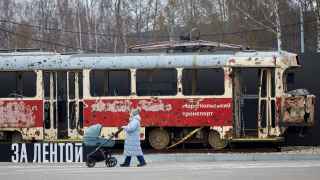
[[211, 98]]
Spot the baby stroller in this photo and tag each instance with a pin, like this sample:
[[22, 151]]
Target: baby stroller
[[102, 152]]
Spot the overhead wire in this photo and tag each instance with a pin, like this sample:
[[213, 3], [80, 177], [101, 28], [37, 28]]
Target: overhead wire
[[144, 36], [132, 35]]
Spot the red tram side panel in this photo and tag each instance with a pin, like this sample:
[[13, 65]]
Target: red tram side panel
[[21, 113], [26, 115], [193, 112]]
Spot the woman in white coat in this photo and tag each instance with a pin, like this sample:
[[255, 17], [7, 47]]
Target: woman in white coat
[[132, 145]]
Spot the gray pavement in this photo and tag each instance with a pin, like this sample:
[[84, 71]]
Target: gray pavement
[[209, 157], [239, 170]]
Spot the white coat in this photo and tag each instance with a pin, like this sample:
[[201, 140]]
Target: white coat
[[132, 145]]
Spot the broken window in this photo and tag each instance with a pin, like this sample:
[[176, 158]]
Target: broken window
[[72, 90], [265, 81], [156, 82], [203, 81], [289, 80], [72, 114], [80, 85], [18, 84], [110, 82], [250, 78], [49, 78], [47, 120], [80, 123]]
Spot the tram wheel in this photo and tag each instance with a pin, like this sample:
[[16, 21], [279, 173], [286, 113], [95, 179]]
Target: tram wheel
[[215, 141], [159, 138]]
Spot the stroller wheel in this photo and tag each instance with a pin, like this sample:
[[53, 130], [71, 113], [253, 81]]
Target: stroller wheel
[[111, 162], [91, 163]]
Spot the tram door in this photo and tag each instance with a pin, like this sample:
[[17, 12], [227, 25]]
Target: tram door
[[63, 106], [254, 102]]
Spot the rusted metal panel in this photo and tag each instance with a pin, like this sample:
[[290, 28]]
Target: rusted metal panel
[[21, 113], [104, 61], [299, 110], [278, 111], [144, 61], [32, 133], [191, 112]]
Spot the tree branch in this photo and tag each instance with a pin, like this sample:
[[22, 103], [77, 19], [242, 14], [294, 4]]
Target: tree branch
[[271, 29]]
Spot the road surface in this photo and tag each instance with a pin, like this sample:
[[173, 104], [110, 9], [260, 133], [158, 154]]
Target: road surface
[[237, 170]]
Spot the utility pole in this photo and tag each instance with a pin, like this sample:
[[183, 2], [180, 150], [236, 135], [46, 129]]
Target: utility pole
[[278, 24], [301, 29], [172, 4], [79, 26], [95, 33]]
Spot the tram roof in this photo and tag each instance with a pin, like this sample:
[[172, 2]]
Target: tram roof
[[55, 61]]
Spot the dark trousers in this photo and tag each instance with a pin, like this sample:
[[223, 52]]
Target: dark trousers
[[127, 160]]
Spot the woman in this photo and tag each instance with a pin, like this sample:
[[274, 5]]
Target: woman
[[132, 142]]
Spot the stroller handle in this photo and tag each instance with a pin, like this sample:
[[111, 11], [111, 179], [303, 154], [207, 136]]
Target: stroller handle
[[120, 129]]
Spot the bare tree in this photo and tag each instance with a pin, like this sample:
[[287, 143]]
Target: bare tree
[[104, 24], [155, 16], [313, 6], [6, 13], [171, 7], [273, 26], [111, 25], [120, 30], [79, 25]]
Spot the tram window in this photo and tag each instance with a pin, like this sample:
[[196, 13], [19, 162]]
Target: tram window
[[10, 87], [264, 82], [273, 113], [75, 77], [273, 84], [80, 115], [47, 115], [29, 80], [156, 82], [288, 80], [49, 78], [72, 114], [54, 115], [72, 85], [263, 113], [203, 81], [110, 83], [80, 85], [250, 78], [46, 85], [18, 84]]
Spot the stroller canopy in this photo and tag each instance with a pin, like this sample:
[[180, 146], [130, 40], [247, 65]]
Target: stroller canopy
[[92, 137], [93, 131]]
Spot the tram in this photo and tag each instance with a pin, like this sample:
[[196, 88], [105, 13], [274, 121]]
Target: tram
[[215, 98]]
